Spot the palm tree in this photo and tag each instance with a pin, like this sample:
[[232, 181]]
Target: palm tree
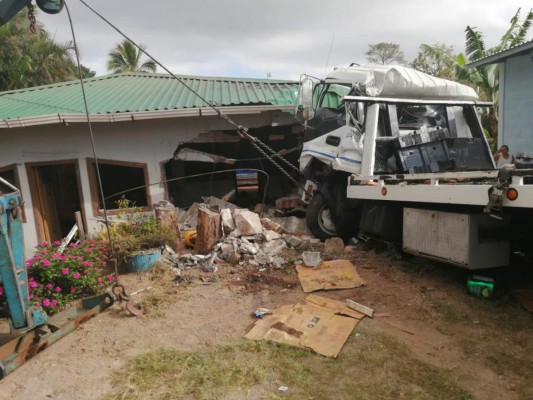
[[126, 58]]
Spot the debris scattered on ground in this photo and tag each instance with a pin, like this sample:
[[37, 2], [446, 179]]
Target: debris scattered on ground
[[318, 323], [261, 312], [359, 307], [336, 274], [311, 258], [226, 233], [334, 245]]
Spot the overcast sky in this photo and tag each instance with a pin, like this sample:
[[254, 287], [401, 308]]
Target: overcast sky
[[283, 39]]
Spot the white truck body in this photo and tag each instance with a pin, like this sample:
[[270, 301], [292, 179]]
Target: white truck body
[[401, 137]]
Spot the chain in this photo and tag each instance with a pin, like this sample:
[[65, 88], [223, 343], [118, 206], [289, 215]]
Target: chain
[[34, 28]]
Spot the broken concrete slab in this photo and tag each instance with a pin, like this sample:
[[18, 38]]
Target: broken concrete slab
[[246, 247], [334, 245], [272, 226], [228, 224], [293, 225], [337, 274], [292, 241], [274, 247], [247, 222], [270, 235]]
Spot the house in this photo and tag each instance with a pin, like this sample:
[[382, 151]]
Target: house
[[147, 129], [515, 125]]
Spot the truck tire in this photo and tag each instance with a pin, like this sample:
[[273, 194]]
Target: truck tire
[[319, 219]]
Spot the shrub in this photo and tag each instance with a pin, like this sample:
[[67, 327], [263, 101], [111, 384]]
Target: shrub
[[56, 279]]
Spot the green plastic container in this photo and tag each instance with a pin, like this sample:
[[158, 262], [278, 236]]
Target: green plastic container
[[480, 286]]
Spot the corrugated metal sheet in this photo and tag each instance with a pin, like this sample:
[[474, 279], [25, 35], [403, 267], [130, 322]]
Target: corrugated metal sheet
[[131, 92], [500, 56]]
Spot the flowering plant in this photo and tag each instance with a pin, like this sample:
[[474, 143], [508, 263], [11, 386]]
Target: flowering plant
[[55, 279]]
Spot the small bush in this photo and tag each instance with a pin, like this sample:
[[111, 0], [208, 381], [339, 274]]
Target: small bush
[[56, 279]]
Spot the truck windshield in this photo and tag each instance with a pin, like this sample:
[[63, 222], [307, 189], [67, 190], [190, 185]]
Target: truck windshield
[[330, 95]]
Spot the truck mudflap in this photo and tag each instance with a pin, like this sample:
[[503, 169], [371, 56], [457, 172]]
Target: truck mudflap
[[20, 349]]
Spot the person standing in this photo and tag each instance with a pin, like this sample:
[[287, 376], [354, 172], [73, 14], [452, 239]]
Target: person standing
[[503, 158]]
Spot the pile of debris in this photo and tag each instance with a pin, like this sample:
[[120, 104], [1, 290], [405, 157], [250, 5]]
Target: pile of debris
[[225, 233]]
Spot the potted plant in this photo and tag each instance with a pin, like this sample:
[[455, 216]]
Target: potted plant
[[138, 237]]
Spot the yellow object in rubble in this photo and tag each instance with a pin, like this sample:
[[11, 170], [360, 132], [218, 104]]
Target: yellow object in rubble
[[189, 238]]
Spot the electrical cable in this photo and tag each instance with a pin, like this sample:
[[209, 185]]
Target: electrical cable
[[98, 175], [242, 131]]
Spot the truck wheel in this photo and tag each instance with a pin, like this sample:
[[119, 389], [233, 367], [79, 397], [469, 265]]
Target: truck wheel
[[319, 218]]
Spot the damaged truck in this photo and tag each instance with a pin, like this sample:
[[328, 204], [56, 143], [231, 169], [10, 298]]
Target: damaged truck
[[395, 153]]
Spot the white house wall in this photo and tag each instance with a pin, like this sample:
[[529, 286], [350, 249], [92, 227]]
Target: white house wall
[[150, 142], [516, 104]]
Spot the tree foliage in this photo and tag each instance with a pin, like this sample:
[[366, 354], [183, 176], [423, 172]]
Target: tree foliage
[[485, 78], [385, 53], [437, 60], [28, 59], [127, 58]]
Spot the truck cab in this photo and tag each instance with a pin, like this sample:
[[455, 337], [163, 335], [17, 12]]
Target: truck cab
[[380, 140]]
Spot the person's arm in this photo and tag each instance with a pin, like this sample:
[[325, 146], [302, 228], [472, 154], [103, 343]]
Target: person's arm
[[497, 154]]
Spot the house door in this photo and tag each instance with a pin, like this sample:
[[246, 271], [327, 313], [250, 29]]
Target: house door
[[55, 192]]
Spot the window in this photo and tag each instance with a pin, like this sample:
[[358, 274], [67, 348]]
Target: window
[[10, 175], [119, 180]]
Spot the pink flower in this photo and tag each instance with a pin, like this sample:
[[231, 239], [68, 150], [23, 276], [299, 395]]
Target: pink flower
[[72, 257], [87, 264], [73, 245], [56, 256], [86, 271], [87, 250], [33, 284], [46, 302], [57, 289], [37, 305], [76, 275], [80, 259], [100, 281], [44, 251], [63, 257], [65, 271], [29, 262], [57, 243], [46, 263], [53, 304], [72, 290], [110, 277], [49, 286], [37, 257], [43, 244]]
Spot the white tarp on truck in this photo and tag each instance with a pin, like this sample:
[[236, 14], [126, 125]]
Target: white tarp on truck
[[403, 82]]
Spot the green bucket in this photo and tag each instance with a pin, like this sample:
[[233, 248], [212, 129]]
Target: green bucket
[[480, 286]]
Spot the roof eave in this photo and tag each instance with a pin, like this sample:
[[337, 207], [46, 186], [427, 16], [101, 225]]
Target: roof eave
[[138, 115], [496, 58]]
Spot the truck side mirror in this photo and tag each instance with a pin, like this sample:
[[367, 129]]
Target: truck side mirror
[[51, 6], [305, 100]]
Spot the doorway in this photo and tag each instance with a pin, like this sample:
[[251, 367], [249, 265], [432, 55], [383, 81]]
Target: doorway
[[55, 192]]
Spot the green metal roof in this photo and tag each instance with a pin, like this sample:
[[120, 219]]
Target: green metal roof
[[137, 92]]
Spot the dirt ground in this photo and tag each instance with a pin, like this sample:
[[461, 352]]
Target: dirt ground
[[422, 304]]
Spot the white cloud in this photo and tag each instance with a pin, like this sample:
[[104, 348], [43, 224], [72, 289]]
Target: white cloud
[[285, 38]]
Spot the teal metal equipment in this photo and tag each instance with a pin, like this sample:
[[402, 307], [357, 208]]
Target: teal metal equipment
[[34, 328]]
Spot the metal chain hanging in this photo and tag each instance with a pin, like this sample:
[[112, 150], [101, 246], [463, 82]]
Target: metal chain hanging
[[34, 28]]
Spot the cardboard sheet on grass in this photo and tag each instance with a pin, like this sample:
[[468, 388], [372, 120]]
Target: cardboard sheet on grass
[[337, 274], [318, 323]]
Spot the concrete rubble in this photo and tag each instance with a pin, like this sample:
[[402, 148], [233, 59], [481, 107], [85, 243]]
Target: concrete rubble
[[242, 237]]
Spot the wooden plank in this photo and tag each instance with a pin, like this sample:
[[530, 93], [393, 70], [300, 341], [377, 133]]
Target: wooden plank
[[359, 307]]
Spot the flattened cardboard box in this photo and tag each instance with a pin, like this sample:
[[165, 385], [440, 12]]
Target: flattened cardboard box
[[337, 274], [308, 325]]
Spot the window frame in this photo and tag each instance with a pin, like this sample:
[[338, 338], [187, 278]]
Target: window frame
[[94, 189]]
